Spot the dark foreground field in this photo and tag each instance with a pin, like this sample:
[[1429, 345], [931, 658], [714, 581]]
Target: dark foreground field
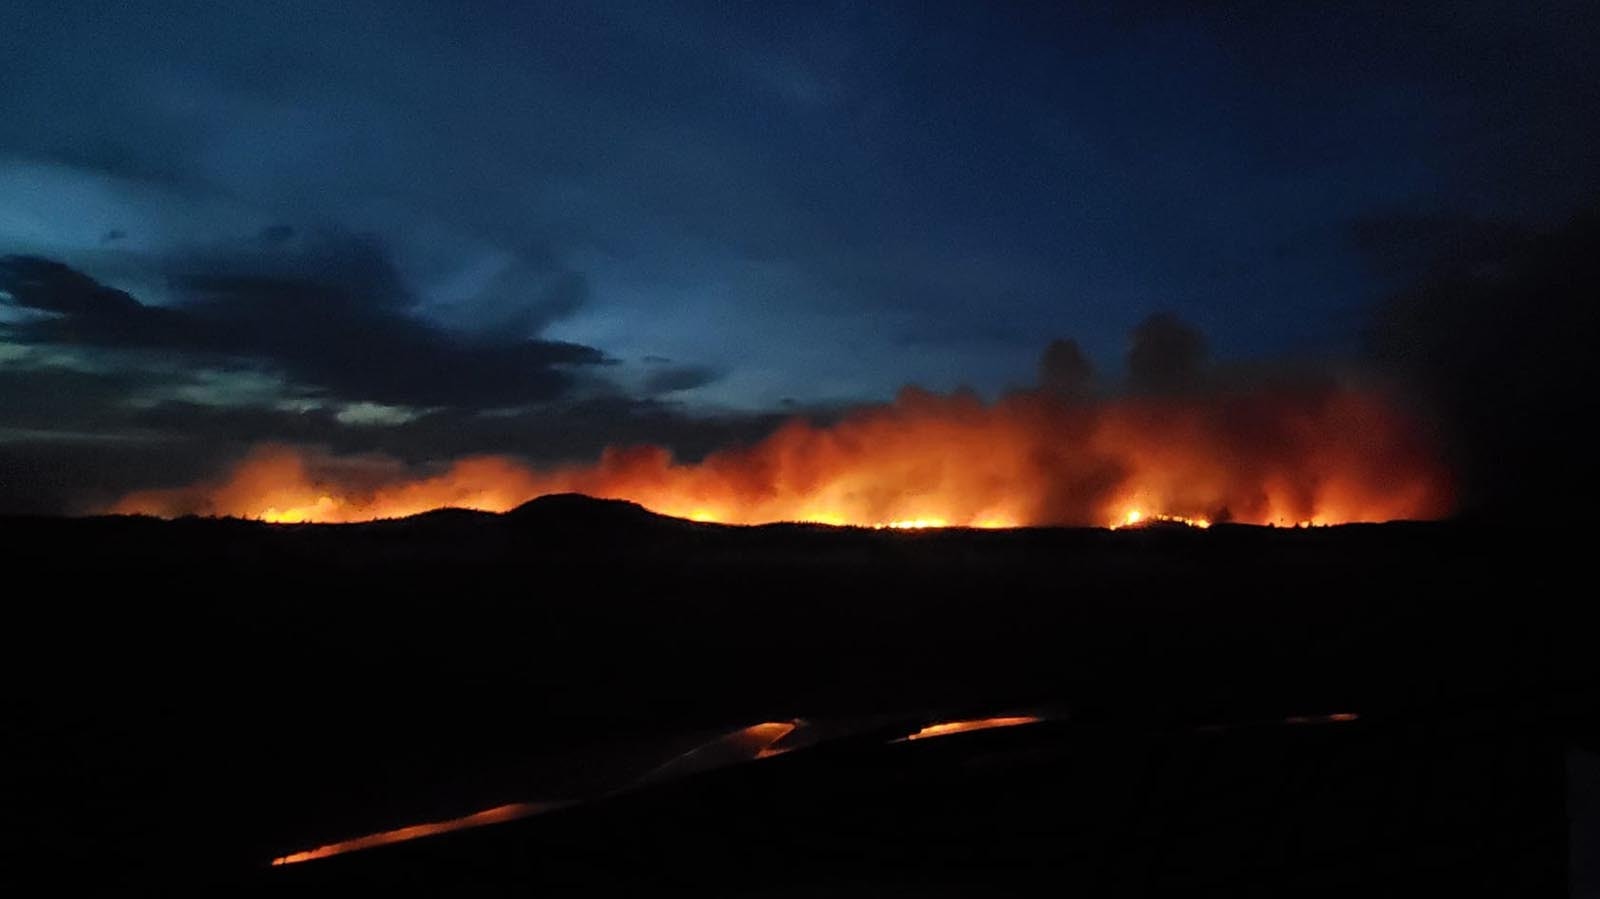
[[188, 700]]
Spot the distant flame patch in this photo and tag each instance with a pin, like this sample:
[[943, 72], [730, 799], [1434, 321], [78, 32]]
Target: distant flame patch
[[1283, 456]]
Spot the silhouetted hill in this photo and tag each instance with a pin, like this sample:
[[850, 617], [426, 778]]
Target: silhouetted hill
[[576, 511], [451, 516]]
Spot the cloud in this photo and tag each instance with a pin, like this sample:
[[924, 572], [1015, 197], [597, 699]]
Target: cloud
[[676, 380], [72, 439], [529, 294], [48, 286], [309, 338], [336, 320], [374, 415]]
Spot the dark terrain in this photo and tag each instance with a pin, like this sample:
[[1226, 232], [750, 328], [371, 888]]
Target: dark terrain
[[190, 699]]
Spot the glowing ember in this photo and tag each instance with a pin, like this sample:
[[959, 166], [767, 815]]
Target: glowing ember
[[1301, 456], [758, 741], [1136, 518], [495, 815], [946, 728], [912, 524]]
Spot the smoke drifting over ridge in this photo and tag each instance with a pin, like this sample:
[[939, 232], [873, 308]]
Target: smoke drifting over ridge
[[1183, 441]]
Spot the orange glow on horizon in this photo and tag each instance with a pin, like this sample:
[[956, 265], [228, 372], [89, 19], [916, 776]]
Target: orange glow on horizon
[[1137, 518], [496, 815], [944, 728], [1288, 456]]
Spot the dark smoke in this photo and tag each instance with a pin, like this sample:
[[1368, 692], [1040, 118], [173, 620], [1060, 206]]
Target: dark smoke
[[1167, 355], [1064, 370], [1498, 339]]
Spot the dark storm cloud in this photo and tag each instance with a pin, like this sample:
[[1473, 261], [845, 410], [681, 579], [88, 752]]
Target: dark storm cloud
[[49, 286], [69, 401], [349, 334]]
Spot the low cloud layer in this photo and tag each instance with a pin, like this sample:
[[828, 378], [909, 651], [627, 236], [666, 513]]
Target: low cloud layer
[[343, 328], [314, 343]]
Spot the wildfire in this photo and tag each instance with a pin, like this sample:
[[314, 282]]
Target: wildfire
[[1136, 518], [945, 728], [1289, 456], [914, 524], [496, 815]]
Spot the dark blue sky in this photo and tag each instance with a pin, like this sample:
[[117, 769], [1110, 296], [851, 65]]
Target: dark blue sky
[[389, 225]]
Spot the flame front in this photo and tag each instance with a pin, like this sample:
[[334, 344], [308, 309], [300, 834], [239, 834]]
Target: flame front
[[1287, 456], [945, 728], [497, 815]]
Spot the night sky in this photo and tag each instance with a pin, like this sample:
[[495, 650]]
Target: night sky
[[432, 229]]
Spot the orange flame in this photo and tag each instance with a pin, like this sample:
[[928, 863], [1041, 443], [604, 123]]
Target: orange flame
[[1289, 456], [945, 728], [496, 815]]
